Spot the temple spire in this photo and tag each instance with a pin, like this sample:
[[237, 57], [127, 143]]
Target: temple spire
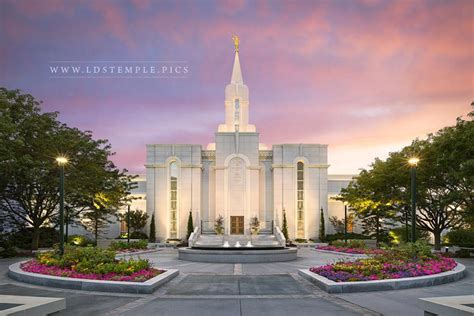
[[236, 72], [236, 100]]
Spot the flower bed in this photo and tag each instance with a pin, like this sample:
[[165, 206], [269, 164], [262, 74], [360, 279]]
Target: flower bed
[[34, 266], [351, 250], [412, 260], [91, 263]]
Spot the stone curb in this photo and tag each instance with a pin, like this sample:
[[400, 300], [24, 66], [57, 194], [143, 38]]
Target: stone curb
[[136, 253], [147, 287], [357, 255], [383, 285]]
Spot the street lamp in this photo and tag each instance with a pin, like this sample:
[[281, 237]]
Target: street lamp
[[61, 162], [413, 162], [345, 223], [128, 223]]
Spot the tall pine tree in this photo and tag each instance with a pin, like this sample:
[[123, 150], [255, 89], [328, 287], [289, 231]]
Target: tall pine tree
[[190, 225], [152, 237], [322, 228], [284, 229]]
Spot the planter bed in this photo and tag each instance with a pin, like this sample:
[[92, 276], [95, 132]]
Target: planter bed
[[383, 285], [379, 269], [34, 266], [140, 282]]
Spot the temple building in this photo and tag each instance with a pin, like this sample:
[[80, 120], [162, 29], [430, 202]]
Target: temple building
[[238, 178]]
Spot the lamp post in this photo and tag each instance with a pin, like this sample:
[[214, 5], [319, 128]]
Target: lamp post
[[345, 223], [407, 232], [61, 162], [128, 224], [413, 162]]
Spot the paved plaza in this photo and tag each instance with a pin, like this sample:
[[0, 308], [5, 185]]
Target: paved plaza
[[240, 289]]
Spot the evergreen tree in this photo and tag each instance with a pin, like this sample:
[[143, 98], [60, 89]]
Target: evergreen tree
[[322, 229], [284, 229], [152, 237], [190, 225]]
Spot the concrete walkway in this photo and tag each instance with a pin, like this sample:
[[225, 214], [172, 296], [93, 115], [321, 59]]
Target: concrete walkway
[[239, 289]]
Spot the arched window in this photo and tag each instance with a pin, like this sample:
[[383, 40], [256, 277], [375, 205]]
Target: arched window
[[173, 199], [300, 199]]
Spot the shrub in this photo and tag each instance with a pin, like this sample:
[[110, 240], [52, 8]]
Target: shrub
[[351, 243], [337, 236], [92, 260], [80, 241], [123, 245], [138, 235], [399, 235], [301, 240], [219, 225], [417, 250], [460, 237], [22, 238], [254, 225]]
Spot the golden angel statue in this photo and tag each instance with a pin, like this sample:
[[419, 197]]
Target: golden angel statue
[[236, 40]]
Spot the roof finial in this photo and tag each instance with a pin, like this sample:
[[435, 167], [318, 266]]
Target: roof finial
[[236, 40]]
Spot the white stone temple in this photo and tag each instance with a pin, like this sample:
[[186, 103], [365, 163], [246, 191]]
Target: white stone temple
[[238, 178]]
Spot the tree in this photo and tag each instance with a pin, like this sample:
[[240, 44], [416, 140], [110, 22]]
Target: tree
[[100, 210], [152, 237], [138, 219], [190, 225], [370, 198], [322, 226], [284, 228], [445, 178], [29, 142], [338, 223]]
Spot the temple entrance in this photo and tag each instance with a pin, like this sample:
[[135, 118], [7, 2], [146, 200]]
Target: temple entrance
[[237, 225]]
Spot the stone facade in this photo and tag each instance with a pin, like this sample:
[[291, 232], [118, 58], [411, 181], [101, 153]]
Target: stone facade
[[237, 176]]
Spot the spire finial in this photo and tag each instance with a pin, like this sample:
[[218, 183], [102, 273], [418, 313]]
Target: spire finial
[[236, 40]]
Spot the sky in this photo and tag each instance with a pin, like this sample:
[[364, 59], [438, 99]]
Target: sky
[[365, 77]]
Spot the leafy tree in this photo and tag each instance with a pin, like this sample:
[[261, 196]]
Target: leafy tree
[[102, 207], [190, 225], [29, 185], [371, 199], [152, 237], [445, 178], [322, 226], [338, 223], [284, 228], [138, 219]]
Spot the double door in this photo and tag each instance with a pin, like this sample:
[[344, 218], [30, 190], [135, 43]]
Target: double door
[[237, 225]]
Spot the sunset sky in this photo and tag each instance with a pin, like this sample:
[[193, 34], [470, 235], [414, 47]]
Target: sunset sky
[[365, 77]]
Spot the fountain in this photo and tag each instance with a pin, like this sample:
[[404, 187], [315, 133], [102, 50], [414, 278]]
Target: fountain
[[244, 248]]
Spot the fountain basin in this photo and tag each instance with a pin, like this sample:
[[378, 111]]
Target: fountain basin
[[237, 255]]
